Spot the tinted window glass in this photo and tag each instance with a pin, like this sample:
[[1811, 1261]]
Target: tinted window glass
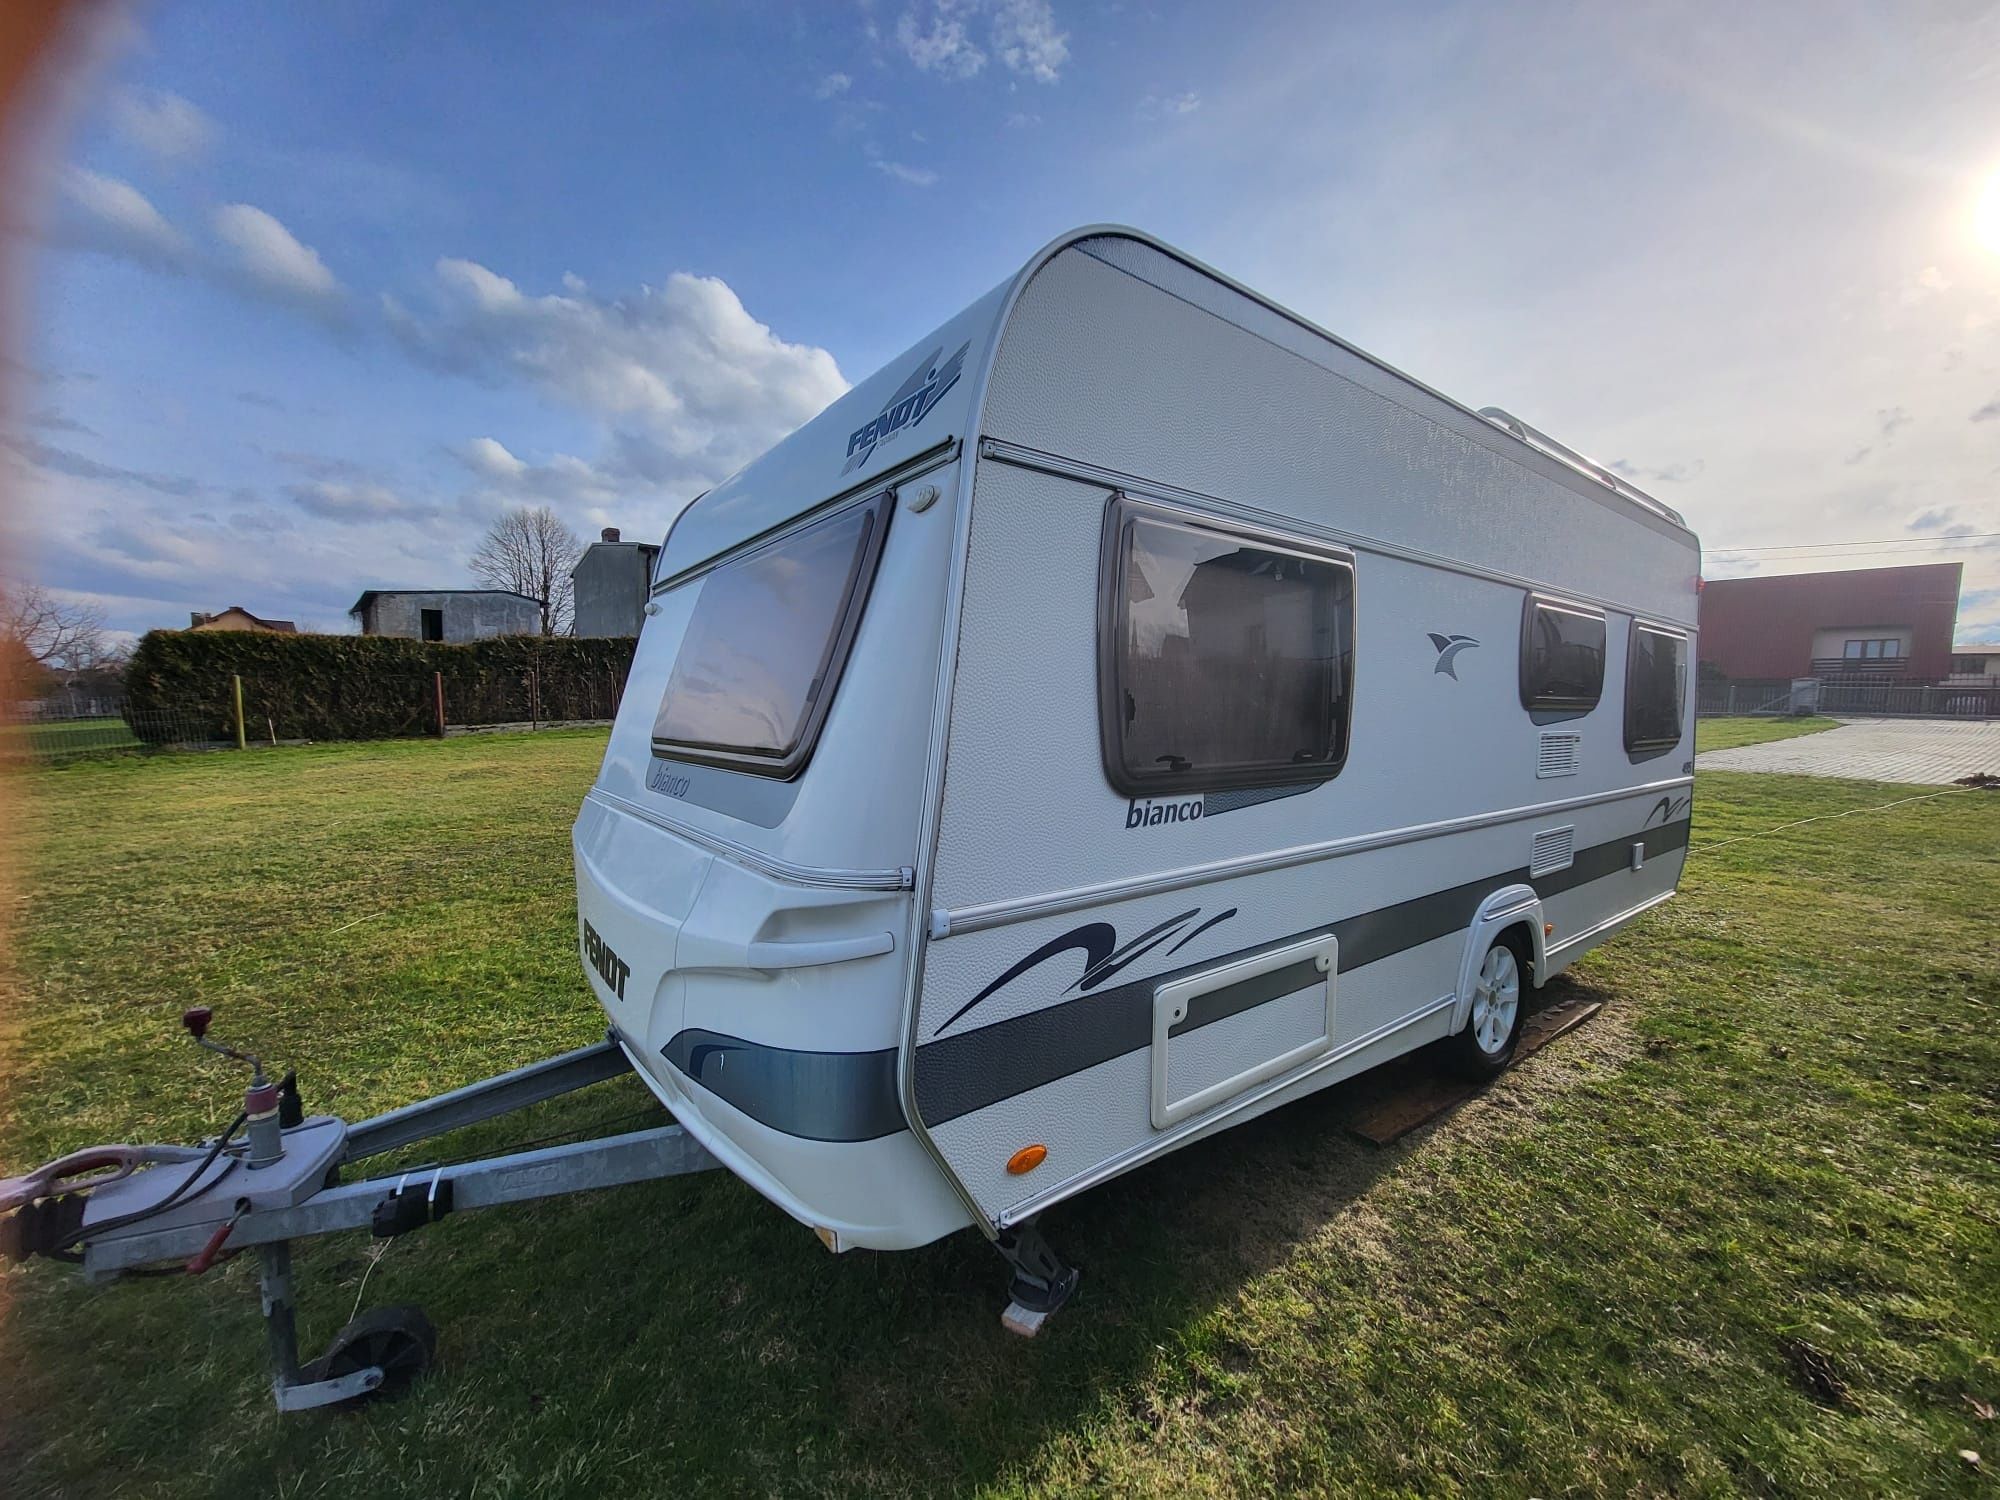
[[765, 645], [1227, 659], [1562, 656], [1655, 679]]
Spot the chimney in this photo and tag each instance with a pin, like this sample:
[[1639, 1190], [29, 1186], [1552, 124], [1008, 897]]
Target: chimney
[[196, 617], [611, 533]]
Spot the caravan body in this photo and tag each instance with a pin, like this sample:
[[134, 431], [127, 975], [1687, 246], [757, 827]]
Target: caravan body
[[1130, 710]]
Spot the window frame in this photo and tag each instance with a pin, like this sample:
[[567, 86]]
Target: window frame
[[1120, 507], [1652, 749], [1555, 710], [834, 656]]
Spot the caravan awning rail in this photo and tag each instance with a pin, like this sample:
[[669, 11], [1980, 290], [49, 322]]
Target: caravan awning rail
[[1542, 443]]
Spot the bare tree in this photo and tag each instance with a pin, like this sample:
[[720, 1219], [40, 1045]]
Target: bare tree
[[46, 641], [61, 636], [531, 552]]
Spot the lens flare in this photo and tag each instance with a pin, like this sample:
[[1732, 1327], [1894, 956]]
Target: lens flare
[[1986, 214]]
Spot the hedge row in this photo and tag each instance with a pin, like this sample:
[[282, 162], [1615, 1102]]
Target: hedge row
[[351, 687]]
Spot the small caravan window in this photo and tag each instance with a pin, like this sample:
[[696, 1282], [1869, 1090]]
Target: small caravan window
[[1225, 657], [766, 643], [1562, 657], [1655, 684]]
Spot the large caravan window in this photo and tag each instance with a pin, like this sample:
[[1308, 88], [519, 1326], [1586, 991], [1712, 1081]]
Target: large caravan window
[[766, 643], [1226, 657], [1655, 681], [1562, 657]]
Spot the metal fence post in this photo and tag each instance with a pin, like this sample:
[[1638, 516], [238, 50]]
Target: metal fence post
[[241, 742]]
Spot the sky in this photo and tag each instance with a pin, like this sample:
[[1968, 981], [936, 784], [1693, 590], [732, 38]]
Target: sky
[[314, 292]]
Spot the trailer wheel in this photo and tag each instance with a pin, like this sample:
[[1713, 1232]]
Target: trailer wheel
[[400, 1341], [1486, 1045]]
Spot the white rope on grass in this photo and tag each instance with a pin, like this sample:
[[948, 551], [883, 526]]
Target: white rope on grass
[[1828, 817]]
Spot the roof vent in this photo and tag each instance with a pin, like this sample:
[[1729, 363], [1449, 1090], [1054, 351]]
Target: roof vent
[[611, 533]]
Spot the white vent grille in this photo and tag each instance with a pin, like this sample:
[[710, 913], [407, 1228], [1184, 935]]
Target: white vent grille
[[1555, 849], [1558, 757]]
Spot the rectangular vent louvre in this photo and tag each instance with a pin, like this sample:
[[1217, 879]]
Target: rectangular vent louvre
[[1558, 757], [1555, 849]]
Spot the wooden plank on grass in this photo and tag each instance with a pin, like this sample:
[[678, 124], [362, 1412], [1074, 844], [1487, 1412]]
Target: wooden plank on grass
[[1394, 1100]]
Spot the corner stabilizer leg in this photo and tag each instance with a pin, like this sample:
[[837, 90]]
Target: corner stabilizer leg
[[1042, 1280]]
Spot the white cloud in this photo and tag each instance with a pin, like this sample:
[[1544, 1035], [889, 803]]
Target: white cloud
[[564, 477], [914, 176], [116, 218], [271, 257], [689, 384], [833, 86], [489, 458], [487, 291], [938, 38], [943, 44], [337, 501], [1154, 107], [1026, 39], [164, 124], [1673, 473]]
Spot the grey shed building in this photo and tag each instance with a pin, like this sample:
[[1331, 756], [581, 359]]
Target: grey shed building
[[612, 579], [447, 614]]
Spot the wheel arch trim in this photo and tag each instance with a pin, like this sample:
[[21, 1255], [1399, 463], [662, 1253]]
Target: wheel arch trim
[[1510, 906]]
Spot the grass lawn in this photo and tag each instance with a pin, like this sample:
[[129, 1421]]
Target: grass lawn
[[1775, 1151], [1727, 734], [53, 739]]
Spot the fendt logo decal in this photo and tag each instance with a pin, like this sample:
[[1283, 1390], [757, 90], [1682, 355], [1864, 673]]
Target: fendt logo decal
[[610, 967], [1102, 957], [914, 398], [1448, 647]]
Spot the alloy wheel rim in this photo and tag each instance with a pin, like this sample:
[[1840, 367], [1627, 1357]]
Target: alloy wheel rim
[[1496, 999]]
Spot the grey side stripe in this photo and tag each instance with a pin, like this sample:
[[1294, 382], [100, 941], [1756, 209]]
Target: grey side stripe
[[822, 1096], [852, 1096], [959, 1074]]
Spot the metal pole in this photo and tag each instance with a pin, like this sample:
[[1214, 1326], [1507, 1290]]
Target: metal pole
[[241, 742], [280, 1321]]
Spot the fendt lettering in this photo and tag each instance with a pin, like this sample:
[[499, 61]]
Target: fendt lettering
[[610, 967]]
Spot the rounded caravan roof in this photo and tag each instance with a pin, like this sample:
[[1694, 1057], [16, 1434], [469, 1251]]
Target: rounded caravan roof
[[932, 393]]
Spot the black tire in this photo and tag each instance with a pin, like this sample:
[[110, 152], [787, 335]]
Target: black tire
[[399, 1340], [1486, 1046]]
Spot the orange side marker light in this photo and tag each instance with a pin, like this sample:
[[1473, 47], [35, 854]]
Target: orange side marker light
[[1027, 1159], [1548, 929]]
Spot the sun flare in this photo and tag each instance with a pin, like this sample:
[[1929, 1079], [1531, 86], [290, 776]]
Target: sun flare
[[1986, 214]]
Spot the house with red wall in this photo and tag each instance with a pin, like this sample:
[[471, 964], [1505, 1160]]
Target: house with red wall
[[1870, 623]]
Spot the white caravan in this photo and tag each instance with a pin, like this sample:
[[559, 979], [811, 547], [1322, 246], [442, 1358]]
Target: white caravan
[[1129, 711]]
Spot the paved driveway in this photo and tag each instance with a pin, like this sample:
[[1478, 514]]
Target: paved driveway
[[1935, 752]]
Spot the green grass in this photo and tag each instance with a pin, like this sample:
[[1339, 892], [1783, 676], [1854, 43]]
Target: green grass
[[1596, 1279], [57, 738], [1727, 734]]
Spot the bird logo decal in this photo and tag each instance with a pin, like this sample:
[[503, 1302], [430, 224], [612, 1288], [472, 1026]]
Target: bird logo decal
[[1448, 647]]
